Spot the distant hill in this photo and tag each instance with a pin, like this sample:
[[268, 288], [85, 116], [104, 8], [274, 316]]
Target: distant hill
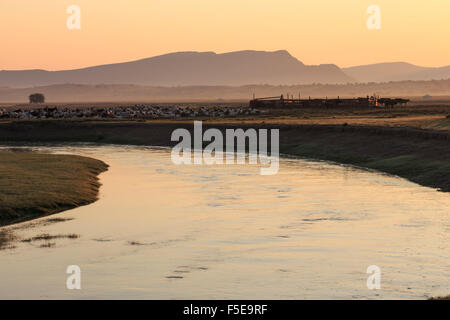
[[396, 71], [187, 69]]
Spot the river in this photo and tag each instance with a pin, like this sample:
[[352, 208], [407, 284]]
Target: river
[[161, 231]]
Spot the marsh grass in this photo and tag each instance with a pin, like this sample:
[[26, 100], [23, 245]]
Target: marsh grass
[[34, 185], [6, 237], [47, 245], [41, 223], [46, 236], [56, 220], [135, 243]]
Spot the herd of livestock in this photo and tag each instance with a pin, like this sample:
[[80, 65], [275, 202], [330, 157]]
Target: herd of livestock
[[125, 112]]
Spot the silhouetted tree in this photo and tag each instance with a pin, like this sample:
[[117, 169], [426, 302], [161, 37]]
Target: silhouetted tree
[[37, 98]]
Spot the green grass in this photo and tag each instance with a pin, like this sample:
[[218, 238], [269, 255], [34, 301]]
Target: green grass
[[34, 185]]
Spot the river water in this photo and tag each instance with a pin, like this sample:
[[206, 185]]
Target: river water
[[161, 231]]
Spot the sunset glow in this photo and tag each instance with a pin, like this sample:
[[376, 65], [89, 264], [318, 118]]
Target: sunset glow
[[34, 33]]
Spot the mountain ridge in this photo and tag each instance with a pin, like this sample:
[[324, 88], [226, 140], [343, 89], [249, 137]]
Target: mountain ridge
[[396, 71], [237, 68], [188, 68]]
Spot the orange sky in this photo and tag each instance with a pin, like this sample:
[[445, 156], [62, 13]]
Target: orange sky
[[34, 33]]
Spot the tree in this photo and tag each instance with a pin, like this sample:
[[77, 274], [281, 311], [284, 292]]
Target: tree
[[37, 98]]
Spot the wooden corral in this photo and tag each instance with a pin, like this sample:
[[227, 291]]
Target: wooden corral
[[281, 102]]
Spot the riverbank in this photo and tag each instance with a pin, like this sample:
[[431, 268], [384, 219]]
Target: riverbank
[[420, 155], [441, 298], [33, 185]]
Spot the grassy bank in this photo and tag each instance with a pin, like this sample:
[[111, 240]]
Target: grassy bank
[[420, 155], [441, 298], [34, 185], [417, 155]]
